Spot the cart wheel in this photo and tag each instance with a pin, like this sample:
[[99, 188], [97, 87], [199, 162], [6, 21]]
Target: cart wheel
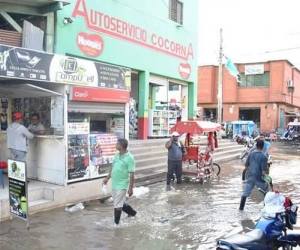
[[216, 169]]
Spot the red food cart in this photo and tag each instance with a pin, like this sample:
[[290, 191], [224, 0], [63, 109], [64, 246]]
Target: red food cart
[[197, 164]]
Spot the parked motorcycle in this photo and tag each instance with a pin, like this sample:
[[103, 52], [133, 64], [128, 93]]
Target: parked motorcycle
[[270, 232], [248, 147]]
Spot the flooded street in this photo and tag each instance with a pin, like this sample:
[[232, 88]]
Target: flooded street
[[190, 216]]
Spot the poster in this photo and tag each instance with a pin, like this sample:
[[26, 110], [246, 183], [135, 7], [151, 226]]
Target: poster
[[57, 111], [78, 157], [102, 148], [17, 185], [117, 126], [78, 128]]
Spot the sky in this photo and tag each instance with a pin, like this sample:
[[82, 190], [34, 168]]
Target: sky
[[252, 30]]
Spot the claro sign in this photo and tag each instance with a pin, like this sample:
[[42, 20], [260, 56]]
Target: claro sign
[[102, 23], [78, 93]]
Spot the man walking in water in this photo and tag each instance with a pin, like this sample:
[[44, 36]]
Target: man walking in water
[[257, 162], [122, 174]]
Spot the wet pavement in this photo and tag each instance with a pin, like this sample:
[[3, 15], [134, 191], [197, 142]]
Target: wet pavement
[[190, 216]]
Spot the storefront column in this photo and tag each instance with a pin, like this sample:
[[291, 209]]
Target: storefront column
[[192, 101], [143, 105]]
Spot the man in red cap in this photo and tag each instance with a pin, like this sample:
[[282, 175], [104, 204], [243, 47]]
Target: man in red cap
[[17, 136]]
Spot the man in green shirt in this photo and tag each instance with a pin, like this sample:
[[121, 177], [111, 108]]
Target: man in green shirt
[[122, 174]]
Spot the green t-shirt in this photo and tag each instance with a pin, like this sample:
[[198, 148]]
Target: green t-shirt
[[121, 167]]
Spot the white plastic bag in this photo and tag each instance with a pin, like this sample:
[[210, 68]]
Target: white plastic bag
[[104, 191], [273, 204], [74, 208]]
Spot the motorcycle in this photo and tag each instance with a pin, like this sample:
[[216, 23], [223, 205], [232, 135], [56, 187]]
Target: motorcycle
[[270, 232], [240, 139], [248, 147]]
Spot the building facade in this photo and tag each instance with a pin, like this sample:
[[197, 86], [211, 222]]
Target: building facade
[[155, 40], [268, 94], [94, 71]]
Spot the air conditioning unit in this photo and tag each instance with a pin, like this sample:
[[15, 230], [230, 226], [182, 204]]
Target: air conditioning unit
[[290, 83]]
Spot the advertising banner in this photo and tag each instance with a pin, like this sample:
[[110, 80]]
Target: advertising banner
[[17, 185], [27, 64], [102, 148]]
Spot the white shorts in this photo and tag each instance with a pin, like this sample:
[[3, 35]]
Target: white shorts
[[119, 197]]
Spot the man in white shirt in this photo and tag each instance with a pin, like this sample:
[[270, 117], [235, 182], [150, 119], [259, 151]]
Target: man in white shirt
[[36, 127], [17, 136]]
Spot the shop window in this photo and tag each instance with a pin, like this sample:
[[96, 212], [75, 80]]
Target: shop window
[[175, 11], [254, 80], [173, 87], [4, 112]]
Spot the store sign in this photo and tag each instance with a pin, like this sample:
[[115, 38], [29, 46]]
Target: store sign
[[254, 69], [185, 70], [17, 188], [27, 64], [105, 24], [98, 95], [113, 77], [91, 45]]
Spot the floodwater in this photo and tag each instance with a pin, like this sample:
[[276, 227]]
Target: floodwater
[[190, 216]]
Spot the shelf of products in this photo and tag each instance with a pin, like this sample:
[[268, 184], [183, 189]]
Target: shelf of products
[[160, 122]]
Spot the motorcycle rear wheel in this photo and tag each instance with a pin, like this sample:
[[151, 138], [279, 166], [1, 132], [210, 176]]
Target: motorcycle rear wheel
[[243, 154]]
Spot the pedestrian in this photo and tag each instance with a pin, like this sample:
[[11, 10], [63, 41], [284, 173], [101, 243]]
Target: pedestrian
[[17, 136], [36, 127], [122, 174], [257, 170], [176, 151]]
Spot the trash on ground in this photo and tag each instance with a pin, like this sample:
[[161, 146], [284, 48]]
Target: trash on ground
[[140, 191], [74, 208], [163, 219]]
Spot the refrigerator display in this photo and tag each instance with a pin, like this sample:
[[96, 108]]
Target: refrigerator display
[[102, 148]]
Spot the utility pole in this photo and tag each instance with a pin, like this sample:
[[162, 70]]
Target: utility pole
[[220, 81]]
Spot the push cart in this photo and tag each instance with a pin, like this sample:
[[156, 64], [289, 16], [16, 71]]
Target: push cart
[[196, 165]]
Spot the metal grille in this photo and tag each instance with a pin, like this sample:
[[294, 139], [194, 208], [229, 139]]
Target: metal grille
[[11, 38], [176, 10]]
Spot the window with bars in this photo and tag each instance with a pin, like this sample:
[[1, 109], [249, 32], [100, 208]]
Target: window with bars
[[254, 80], [176, 10]]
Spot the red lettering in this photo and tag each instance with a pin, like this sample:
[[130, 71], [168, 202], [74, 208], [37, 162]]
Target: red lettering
[[119, 26], [190, 51], [153, 39], [119, 29], [113, 22], [124, 30], [78, 12], [167, 43]]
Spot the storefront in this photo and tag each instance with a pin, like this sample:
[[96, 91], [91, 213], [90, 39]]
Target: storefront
[[82, 104], [160, 53]]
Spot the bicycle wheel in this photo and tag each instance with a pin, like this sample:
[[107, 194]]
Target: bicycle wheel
[[216, 169]]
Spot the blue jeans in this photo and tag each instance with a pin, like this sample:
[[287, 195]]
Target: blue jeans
[[251, 183], [18, 154]]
